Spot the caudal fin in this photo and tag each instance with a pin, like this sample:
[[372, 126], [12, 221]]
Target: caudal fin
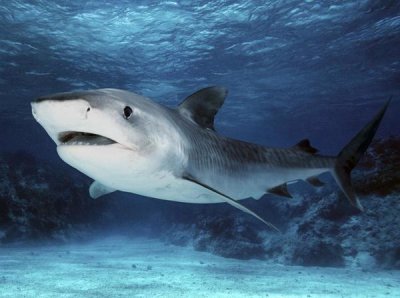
[[351, 154]]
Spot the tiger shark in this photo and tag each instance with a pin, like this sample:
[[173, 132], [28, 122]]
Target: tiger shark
[[127, 142]]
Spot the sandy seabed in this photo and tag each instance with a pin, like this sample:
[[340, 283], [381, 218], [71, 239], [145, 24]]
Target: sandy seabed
[[140, 267]]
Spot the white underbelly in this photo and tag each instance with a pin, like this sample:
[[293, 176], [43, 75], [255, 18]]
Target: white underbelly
[[123, 170], [166, 186], [173, 189], [161, 185], [256, 184]]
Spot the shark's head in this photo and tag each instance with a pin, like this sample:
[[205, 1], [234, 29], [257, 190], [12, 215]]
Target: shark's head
[[99, 130]]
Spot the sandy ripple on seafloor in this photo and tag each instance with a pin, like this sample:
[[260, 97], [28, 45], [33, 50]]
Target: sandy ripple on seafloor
[[120, 267]]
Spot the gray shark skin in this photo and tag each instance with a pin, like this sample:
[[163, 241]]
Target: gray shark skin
[[127, 142]]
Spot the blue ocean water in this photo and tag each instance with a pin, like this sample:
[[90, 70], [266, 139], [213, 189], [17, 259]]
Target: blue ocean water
[[294, 69]]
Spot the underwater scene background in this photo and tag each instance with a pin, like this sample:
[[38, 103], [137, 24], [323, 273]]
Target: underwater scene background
[[294, 69]]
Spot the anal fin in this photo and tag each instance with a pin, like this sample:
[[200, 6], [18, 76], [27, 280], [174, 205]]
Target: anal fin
[[97, 190], [230, 200], [314, 181]]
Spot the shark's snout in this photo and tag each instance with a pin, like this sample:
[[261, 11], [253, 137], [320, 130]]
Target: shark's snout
[[56, 110], [58, 116]]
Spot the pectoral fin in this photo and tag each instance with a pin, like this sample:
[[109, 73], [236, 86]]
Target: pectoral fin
[[97, 189], [229, 200]]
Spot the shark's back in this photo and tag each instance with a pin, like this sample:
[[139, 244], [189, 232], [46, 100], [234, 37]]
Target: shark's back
[[244, 169]]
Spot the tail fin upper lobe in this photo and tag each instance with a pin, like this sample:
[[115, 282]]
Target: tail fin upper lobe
[[351, 154]]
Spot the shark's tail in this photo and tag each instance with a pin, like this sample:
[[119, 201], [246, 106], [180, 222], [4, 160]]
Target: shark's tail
[[351, 154]]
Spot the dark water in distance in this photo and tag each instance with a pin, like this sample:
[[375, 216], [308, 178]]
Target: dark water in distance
[[294, 69]]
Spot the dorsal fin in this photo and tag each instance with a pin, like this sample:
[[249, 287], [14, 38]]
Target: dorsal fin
[[305, 145], [280, 190], [202, 106]]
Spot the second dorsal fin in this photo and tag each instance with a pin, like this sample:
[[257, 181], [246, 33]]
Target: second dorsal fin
[[305, 145]]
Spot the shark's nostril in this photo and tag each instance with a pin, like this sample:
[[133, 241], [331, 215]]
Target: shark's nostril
[[88, 108]]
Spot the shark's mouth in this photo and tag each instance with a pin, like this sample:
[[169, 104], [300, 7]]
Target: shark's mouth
[[77, 138]]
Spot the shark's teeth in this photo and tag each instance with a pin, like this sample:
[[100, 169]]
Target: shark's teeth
[[83, 139]]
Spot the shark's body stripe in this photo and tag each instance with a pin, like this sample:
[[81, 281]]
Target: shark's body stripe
[[243, 169]]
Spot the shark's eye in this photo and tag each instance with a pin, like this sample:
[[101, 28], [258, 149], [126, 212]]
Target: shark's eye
[[127, 112]]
